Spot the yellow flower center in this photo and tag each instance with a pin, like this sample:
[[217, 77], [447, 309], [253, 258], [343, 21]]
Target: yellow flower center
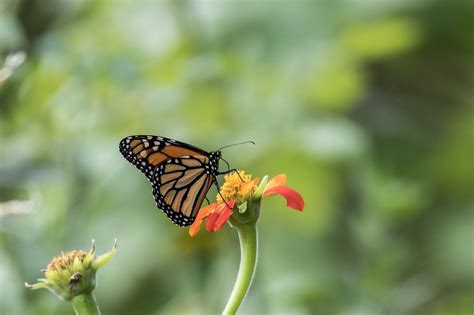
[[237, 187], [66, 260]]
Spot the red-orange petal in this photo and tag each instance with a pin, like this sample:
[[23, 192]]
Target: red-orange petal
[[293, 198], [219, 217], [279, 180], [202, 214]]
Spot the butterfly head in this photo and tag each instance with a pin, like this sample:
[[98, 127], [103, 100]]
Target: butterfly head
[[215, 156]]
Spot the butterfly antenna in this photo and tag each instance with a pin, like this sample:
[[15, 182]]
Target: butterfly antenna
[[239, 143], [228, 166]]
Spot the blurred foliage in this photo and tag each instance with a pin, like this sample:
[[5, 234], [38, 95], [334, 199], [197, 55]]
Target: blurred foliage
[[366, 106]]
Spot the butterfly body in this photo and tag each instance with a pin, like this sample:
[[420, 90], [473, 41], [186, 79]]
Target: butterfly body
[[180, 174]]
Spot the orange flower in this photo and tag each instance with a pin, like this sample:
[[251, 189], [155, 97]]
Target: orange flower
[[277, 185], [239, 190], [216, 214]]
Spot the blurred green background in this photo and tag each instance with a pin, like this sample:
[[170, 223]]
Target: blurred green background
[[367, 106]]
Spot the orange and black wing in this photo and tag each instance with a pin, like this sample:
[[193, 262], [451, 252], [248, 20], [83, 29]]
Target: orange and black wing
[[147, 152], [176, 170], [180, 187]]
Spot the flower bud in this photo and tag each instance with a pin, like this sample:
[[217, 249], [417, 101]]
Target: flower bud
[[74, 273]]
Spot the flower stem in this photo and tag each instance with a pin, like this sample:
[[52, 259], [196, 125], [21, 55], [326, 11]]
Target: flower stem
[[85, 304], [248, 260]]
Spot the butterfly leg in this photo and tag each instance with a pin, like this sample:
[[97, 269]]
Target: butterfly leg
[[231, 170], [208, 202], [219, 192]]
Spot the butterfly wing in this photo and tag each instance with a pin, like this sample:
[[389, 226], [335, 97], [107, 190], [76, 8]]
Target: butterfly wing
[[176, 170], [146, 152], [180, 186]]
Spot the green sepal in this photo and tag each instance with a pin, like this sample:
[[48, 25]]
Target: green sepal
[[261, 187], [105, 258]]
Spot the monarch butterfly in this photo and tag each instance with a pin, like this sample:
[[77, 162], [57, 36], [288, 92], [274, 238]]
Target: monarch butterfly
[[180, 174]]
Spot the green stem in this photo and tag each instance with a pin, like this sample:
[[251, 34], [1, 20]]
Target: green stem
[[248, 260], [85, 304]]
